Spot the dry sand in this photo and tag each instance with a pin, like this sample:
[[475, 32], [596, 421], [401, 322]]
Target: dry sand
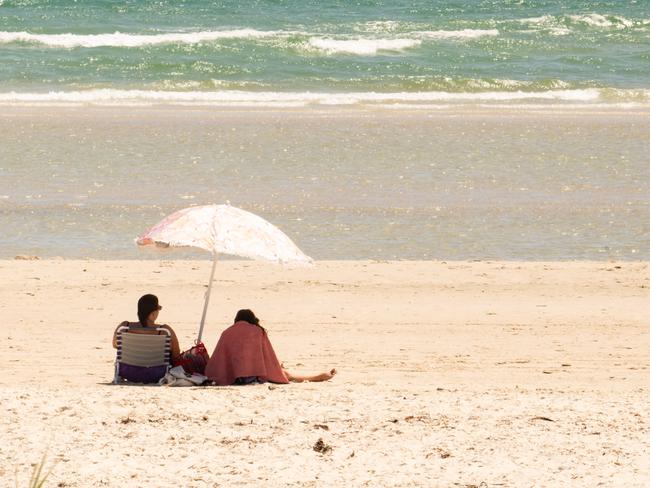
[[451, 374]]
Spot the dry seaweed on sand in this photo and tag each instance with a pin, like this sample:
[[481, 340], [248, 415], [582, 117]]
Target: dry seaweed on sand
[[322, 447]]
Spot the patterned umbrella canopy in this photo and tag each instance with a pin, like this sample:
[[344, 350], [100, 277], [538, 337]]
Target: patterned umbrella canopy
[[224, 229], [227, 230]]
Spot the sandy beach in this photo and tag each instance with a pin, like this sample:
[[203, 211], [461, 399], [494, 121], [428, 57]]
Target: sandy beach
[[451, 374], [472, 180]]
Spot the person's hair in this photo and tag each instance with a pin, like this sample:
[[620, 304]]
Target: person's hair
[[247, 315], [147, 304]]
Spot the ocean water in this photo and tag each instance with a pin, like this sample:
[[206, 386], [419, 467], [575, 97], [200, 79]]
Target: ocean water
[[302, 53], [501, 129], [342, 184]]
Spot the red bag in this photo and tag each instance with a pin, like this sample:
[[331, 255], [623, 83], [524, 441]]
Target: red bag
[[193, 360]]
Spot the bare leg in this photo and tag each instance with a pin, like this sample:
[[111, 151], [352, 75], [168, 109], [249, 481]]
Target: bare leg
[[314, 378]]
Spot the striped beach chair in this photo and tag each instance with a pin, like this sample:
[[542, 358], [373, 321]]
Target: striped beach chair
[[142, 358]]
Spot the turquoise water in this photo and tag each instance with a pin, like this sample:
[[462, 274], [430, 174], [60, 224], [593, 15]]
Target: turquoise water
[[295, 53]]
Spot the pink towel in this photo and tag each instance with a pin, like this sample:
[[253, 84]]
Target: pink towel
[[244, 350]]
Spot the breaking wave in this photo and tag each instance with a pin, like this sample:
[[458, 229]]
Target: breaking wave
[[362, 46], [301, 99], [120, 39], [564, 23]]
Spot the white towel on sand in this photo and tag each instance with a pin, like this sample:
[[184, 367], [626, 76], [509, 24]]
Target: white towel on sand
[[178, 377]]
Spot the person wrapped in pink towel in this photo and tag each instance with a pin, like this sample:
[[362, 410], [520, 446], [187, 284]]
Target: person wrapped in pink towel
[[244, 355]]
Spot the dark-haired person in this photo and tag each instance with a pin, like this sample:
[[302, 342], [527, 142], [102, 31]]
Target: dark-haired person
[[245, 355], [148, 309]]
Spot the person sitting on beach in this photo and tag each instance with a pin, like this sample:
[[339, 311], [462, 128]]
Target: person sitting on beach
[[244, 355], [148, 309]]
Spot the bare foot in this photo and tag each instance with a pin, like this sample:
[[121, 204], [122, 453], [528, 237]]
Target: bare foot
[[316, 378], [324, 376]]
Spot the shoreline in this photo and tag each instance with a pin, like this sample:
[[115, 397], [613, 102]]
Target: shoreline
[[213, 111], [205, 257]]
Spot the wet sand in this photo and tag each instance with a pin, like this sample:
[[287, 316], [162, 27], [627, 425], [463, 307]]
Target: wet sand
[[457, 183]]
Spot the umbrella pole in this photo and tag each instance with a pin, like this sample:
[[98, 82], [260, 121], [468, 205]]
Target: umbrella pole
[[207, 298]]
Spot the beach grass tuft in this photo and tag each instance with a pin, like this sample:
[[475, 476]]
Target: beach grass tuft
[[38, 478]]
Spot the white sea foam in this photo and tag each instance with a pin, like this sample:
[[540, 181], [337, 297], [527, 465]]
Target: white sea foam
[[559, 31], [361, 46], [301, 99], [120, 39], [544, 19], [370, 47], [598, 20], [367, 47], [558, 25], [457, 34]]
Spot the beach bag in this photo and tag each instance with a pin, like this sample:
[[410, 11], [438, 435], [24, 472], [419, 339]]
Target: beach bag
[[193, 360]]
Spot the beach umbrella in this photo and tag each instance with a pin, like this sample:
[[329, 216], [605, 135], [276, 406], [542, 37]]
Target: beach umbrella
[[223, 229]]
